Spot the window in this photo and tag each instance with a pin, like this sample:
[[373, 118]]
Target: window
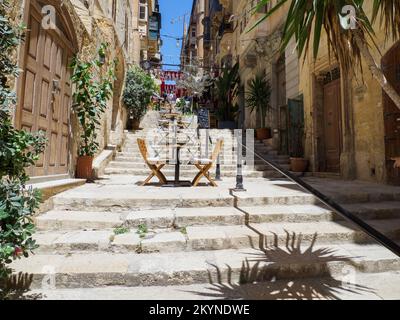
[[143, 10]]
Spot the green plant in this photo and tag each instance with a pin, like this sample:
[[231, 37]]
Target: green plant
[[184, 231], [139, 88], [306, 21], [226, 90], [121, 230], [142, 230], [258, 97], [18, 150], [94, 87]]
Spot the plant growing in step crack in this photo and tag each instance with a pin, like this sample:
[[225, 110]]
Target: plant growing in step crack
[[184, 231], [142, 230], [94, 87], [18, 151], [121, 230]]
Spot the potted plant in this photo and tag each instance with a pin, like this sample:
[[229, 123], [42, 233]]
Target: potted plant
[[258, 98], [139, 88], [297, 161], [93, 88], [226, 91]]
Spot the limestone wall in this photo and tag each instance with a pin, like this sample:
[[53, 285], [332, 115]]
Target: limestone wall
[[362, 110], [93, 26]]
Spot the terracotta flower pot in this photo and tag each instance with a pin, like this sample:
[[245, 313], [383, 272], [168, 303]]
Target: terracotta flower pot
[[84, 167], [298, 164], [263, 134]]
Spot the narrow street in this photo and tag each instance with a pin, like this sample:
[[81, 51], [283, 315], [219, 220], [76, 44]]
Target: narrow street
[[197, 240], [199, 150]]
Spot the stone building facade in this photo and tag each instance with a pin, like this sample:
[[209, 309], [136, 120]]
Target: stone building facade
[[351, 128], [57, 30]]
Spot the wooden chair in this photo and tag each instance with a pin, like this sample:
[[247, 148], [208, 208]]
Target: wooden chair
[[204, 165], [154, 164]]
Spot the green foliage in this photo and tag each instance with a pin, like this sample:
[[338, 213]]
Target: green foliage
[[121, 230], [226, 89], [94, 87], [306, 21], [258, 97], [139, 88], [142, 230], [18, 151]]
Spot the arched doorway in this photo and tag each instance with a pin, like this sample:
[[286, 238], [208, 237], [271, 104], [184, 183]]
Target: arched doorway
[[391, 68], [45, 91]]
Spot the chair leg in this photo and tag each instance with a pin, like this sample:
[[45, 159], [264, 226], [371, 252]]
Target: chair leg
[[148, 179], [160, 175], [203, 171], [207, 175]]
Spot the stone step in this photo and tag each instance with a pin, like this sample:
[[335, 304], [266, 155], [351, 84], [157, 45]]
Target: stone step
[[190, 173], [139, 159], [101, 269], [188, 167], [128, 200], [200, 238], [184, 217], [366, 286]]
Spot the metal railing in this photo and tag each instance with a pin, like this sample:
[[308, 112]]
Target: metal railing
[[368, 229]]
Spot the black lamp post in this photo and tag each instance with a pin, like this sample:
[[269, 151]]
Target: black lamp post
[[239, 166]]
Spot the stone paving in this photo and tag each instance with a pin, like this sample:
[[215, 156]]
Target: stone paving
[[211, 243]]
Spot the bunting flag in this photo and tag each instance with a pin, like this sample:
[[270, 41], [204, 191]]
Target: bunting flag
[[166, 75]]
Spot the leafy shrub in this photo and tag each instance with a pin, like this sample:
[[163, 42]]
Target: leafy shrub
[[139, 89], [18, 150], [94, 88]]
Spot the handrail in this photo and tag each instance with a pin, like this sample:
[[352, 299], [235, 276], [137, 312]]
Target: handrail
[[371, 231]]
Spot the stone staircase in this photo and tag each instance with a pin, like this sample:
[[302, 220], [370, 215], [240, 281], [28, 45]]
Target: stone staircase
[[114, 239], [191, 237], [129, 161]]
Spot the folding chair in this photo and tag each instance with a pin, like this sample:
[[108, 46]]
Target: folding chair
[[204, 165], [154, 164]]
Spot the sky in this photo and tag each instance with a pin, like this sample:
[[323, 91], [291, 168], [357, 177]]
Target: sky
[[173, 10]]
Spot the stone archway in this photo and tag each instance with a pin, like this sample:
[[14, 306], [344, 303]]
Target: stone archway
[[44, 89]]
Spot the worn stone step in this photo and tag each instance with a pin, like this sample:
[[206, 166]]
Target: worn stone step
[[195, 238], [188, 167], [190, 173], [180, 217], [124, 192], [184, 217], [101, 269], [363, 286]]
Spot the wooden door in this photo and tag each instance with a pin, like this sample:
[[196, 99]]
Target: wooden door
[[45, 101], [332, 126], [296, 136], [283, 130], [391, 67]]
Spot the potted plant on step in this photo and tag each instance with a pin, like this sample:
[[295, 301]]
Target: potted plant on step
[[93, 89], [226, 92], [258, 99], [297, 161], [139, 88]]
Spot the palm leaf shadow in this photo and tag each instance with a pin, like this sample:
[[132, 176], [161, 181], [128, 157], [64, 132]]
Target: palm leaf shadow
[[283, 273]]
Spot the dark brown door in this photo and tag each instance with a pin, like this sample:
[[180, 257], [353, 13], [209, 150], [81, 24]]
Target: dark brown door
[[391, 67], [46, 92], [332, 125]]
